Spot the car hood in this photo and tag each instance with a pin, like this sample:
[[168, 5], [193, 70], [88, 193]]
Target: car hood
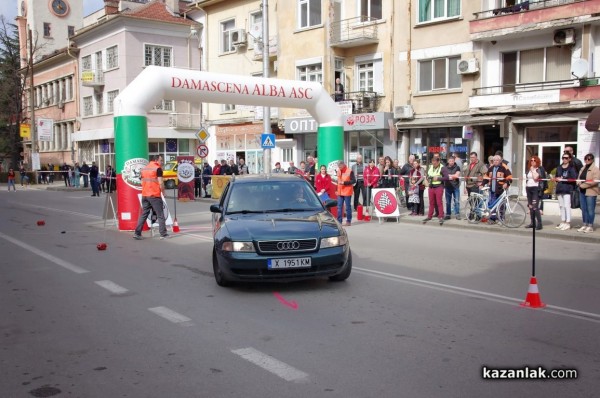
[[273, 226]]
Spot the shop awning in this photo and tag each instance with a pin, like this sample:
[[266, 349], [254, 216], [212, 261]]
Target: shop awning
[[593, 121], [450, 121]]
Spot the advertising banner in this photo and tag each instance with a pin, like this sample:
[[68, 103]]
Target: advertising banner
[[185, 175], [45, 128]]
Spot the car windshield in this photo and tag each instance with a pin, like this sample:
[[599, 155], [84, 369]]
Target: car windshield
[[272, 196], [169, 166]]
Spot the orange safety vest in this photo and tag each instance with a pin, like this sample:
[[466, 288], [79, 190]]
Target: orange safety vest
[[344, 190], [150, 185]]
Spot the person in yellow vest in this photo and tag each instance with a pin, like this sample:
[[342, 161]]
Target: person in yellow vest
[[345, 189], [436, 174], [152, 190]]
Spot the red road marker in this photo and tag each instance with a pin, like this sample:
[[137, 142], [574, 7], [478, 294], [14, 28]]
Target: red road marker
[[102, 246]]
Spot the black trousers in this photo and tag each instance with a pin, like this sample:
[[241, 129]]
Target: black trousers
[[360, 188]]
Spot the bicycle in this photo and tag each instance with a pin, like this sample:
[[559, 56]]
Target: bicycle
[[509, 211]]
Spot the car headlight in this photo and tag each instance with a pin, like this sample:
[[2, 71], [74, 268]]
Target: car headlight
[[238, 247], [334, 241]]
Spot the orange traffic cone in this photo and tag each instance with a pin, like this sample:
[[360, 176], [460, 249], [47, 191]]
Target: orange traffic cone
[[175, 225], [533, 299]]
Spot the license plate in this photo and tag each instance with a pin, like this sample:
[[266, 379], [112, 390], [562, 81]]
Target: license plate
[[296, 262]]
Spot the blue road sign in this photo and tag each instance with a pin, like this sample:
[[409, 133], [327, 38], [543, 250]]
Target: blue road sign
[[267, 141]]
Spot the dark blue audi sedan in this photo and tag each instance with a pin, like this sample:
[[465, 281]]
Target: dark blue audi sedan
[[275, 228]]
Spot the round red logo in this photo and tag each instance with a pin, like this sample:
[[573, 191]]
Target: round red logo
[[385, 202]]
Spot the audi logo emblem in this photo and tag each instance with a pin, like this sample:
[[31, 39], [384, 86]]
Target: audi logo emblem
[[289, 245]]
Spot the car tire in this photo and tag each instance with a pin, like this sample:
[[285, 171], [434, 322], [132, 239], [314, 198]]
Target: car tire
[[219, 277], [170, 184], [345, 274]]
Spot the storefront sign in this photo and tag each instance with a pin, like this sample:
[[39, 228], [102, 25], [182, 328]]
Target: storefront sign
[[359, 121], [239, 129]]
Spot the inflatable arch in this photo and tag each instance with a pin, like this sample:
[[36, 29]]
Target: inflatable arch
[[156, 83]]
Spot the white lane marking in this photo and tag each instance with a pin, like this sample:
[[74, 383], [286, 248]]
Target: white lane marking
[[47, 256], [272, 365], [171, 315], [112, 287], [568, 312]]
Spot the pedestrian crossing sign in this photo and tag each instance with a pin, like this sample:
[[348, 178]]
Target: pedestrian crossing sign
[[267, 141]]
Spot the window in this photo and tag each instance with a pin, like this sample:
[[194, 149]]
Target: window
[[110, 100], [535, 66], [99, 103], [228, 108], [88, 106], [47, 30], [371, 9], [311, 73], [365, 76], [99, 63], [70, 31], [112, 57], [439, 74], [157, 55], [309, 13], [164, 105], [226, 43], [86, 62], [256, 25], [431, 10], [287, 154]]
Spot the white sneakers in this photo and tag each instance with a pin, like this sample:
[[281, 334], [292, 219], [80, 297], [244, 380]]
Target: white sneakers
[[559, 226], [586, 229], [565, 226]]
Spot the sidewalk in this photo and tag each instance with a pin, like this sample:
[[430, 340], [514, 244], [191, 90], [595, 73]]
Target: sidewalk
[[549, 221]]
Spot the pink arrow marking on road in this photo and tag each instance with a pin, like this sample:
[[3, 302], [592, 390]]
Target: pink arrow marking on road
[[292, 304]]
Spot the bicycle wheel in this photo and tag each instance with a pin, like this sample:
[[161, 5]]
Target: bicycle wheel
[[473, 209], [511, 215]]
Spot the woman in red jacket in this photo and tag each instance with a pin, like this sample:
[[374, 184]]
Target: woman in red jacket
[[371, 179], [323, 183]]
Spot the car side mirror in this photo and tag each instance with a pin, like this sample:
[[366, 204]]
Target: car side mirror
[[329, 203], [215, 208]]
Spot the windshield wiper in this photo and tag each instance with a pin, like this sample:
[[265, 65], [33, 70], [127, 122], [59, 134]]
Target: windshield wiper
[[245, 212]]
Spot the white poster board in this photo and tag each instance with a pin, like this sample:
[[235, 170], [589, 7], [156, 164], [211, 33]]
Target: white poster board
[[587, 142], [168, 219], [385, 203]]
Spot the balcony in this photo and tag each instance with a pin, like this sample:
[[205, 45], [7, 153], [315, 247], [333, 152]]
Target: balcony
[[258, 49], [361, 101], [528, 96], [353, 32], [184, 121], [528, 15], [92, 77]]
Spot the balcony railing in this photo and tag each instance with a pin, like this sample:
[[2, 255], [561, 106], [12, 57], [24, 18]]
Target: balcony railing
[[512, 7], [92, 77], [362, 101], [354, 32], [524, 87], [258, 48], [184, 120]]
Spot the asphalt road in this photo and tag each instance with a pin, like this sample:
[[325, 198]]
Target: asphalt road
[[425, 309]]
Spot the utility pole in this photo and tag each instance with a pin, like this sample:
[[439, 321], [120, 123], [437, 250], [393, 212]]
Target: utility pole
[[33, 127], [266, 109]]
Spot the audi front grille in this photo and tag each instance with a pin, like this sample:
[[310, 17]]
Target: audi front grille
[[287, 246]]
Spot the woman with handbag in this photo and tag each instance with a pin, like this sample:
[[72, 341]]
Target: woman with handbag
[[417, 177], [588, 192], [565, 185]]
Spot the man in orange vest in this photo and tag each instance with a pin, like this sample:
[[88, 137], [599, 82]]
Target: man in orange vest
[[345, 189], [152, 190]]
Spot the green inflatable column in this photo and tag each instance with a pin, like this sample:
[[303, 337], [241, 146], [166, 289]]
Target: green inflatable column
[[131, 155], [330, 144]]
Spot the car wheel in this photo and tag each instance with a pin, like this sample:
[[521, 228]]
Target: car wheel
[[345, 274], [170, 184], [219, 277]]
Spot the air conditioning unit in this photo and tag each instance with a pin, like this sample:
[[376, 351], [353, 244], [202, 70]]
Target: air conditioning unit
[[467, 66], [238, 37], [403, 112], [563, 37], [258, 47]]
